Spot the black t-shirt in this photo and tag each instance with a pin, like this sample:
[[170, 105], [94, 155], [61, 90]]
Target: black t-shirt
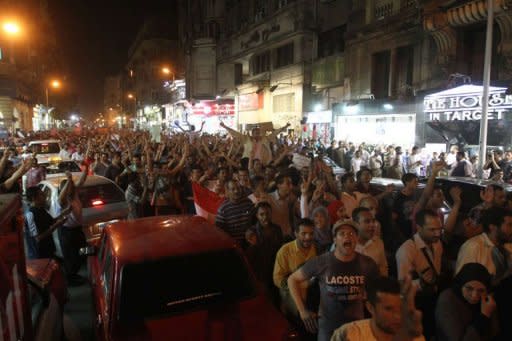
[[342, 287]]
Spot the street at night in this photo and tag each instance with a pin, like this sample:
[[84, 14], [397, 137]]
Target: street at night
[[246, 170]]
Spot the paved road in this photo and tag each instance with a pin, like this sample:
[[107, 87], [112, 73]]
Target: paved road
[[78, 320]]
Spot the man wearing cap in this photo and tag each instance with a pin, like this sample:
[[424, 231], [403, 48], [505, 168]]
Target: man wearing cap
[[342, 275]]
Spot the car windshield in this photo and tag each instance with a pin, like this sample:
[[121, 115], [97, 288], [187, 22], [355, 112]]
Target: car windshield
[[61, 167], [45, 148], [100, 194], [179, 284]]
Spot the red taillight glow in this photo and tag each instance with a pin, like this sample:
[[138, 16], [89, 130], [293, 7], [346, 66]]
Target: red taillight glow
[[97, 202]]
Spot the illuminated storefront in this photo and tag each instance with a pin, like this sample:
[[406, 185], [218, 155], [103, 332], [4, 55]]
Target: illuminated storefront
[[376, 122], [212, 112], [453, 116]]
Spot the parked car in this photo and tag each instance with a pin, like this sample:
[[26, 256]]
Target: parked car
[[101, 198], [47, 294], [47, 150], [177, 278]]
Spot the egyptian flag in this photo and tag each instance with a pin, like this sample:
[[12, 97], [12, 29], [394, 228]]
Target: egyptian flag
[[206, 202]]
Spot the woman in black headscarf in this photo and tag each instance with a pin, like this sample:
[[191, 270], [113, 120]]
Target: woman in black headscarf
[[464, 311]]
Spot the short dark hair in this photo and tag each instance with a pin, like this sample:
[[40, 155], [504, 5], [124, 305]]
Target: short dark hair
[[262, 204], [346, 176], [32, 192], [381, 284], [256, 180], [280, 178], [304, 222], [361, 171], [407, 177], [494, 216], [357, 212], [421, 215]]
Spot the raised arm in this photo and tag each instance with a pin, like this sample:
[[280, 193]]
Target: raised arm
[[22, 169], [231, 131], [81, 181], [429, 188]]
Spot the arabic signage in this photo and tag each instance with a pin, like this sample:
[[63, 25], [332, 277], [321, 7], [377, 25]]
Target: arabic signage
[[464, 103]]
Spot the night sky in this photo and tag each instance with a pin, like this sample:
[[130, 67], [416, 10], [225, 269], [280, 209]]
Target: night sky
[[93, 38]]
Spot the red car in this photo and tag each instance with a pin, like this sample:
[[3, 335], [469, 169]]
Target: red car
[[177, 278]]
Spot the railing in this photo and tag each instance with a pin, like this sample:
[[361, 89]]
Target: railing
[[383, 8]]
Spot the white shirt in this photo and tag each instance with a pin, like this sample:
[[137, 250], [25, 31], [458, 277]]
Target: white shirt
[[409, 257], [413, 158], [479, 250], [359, 331], [374, 248], [77, 157], [356, 164], [64, 154]]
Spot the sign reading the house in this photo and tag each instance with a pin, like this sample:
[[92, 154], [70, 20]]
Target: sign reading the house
[[464, 103]]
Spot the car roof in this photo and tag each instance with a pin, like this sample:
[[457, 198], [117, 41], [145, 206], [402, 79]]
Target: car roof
[[91, 180], [477, 182], [152, 238], [43, 141]]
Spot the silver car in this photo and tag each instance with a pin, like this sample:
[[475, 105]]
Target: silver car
[[101, 198]]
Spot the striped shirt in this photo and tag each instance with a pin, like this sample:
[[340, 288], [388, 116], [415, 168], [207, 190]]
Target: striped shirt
[[235, 218]]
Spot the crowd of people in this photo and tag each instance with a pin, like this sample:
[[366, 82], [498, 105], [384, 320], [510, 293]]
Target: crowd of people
[[342, 259]]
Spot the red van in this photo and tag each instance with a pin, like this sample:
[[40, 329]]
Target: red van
[[177, 278]]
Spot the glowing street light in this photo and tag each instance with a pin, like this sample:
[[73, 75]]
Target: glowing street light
[[55, 84], [166, 70], [11, 28], [131, 96]]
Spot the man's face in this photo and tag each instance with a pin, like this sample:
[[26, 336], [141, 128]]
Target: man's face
[[367, 225], [505, 231], [349, 184], [387, 312], [437, 198], [305, 236], [256, 132], [346, 240], [222, 175], [285, 187], [508, 156], [412, 184], [365, 177], [372, 205], [243, 178], [263, 215], [431, 231], [233, 193], [137, 161], [195, 175], [458, 157], [500, 198]]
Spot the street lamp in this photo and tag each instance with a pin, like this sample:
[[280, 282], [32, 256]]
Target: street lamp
[[167, 71], [12, 30], [55, 84]]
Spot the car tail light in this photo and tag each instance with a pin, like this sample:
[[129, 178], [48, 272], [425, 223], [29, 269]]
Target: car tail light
[[97, 202]]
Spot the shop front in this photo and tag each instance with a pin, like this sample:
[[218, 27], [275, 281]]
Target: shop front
[[318, 126], [212, 112], [453, 117], [376, 122]]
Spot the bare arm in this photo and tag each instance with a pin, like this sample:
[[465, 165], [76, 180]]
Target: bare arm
[[3, 161], [429, 188], [232, 132], [455, 193], [25, 166], [309, 318], [81, 181]]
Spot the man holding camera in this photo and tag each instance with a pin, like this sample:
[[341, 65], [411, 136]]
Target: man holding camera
[[421, 257]]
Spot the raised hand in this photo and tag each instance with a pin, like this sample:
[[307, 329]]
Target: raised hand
[[455, 193]]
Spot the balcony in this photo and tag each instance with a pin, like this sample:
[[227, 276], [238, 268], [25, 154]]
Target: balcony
[[387, 8]]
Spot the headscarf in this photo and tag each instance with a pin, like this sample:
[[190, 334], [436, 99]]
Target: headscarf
[[333, 209], [471, 272], [323, 237]]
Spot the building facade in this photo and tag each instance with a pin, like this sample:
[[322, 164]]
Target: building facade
[[26, 60]]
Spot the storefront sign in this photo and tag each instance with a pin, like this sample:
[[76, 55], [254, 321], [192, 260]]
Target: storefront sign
[[248, 102], [464, 103]]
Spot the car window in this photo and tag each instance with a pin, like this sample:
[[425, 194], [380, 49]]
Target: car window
[[180, 284], [101, 194], [45, 148], [470, 193]]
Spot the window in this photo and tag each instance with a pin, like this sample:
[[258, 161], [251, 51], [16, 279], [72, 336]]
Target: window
[[107, 193], [284, 103], [380, 74], [284, 55], [180, 284], [332, 41], [261, 63], [45, 148]]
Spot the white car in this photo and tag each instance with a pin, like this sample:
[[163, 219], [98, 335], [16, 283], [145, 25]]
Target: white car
[[101, 198], [47, 150]]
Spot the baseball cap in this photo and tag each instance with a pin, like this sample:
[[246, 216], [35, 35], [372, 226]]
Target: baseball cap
[[341, 223]]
